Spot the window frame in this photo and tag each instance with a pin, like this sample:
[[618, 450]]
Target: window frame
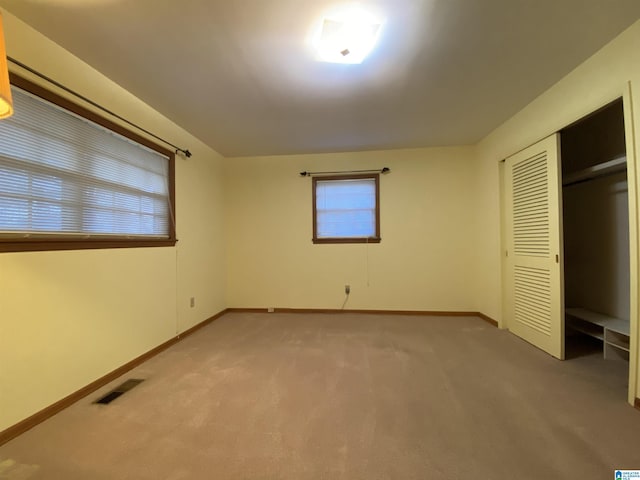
[[59, 241], [370, 176]]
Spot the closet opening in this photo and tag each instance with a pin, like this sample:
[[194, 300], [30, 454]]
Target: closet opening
[[595, 229]]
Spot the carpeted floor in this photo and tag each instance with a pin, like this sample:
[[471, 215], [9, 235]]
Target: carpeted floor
[[288, 396]]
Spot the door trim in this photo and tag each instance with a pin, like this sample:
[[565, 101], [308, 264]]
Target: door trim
[[634, 266]]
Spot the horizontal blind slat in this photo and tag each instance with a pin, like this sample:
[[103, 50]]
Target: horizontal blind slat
[[62, 173], [346, 208]]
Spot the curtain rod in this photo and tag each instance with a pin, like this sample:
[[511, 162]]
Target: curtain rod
[[186, 152], [345, 172]]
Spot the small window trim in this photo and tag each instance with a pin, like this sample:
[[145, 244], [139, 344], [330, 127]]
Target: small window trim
[[375, 239], [60, 242]]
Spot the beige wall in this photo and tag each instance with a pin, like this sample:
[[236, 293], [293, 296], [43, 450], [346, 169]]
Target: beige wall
[[67, 318], [422, 262], [593, 84]]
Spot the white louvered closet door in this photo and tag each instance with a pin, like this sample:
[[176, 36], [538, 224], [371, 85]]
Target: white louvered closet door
[[534, 290]]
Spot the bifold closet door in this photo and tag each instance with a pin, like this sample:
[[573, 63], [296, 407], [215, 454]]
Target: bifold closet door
[[534, 289]]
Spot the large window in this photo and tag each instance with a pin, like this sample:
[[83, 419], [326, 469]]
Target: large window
[[70, 179], [346, 209]]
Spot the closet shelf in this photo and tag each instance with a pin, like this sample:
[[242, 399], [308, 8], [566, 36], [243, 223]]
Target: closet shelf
[[614, 332], [607, 168], [612, 323]]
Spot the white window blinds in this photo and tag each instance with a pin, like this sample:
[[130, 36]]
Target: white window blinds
[[346, 208], [61, 174]]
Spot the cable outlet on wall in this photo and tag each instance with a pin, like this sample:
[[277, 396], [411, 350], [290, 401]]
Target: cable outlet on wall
[[347, 289], [192, 302]]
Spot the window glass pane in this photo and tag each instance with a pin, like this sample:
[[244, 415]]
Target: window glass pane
[[346, 208], [14, 213], [61, 173]]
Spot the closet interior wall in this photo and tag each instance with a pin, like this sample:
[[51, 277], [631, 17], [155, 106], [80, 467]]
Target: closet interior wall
[[596, 214]]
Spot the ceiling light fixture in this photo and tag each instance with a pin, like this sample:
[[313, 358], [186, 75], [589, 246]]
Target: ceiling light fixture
[[6, 102], [347, 35]]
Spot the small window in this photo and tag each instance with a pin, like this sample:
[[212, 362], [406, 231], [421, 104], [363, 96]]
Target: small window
[[70, 179], [346, 209]]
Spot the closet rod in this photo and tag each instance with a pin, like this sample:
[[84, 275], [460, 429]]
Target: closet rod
[[600, 170]]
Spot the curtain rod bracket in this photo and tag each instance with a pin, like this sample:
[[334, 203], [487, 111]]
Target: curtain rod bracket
[[186, 152]]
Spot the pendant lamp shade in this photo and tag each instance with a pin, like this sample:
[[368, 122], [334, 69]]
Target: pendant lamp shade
[[6, 103]]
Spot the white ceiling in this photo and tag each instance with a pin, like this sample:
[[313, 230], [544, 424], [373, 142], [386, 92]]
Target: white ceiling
[[240, 76]]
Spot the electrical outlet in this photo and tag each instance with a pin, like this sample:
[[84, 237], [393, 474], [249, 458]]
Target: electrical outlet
[[271, 310], [192, 302], [347, 289]]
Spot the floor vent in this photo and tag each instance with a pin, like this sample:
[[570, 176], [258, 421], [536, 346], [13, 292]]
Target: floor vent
[[119, 390]]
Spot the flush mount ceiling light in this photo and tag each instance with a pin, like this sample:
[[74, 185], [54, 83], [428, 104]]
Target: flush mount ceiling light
[[347, 36]]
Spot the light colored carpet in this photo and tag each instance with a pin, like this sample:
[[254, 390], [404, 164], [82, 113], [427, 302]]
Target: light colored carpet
[[288, 396]]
